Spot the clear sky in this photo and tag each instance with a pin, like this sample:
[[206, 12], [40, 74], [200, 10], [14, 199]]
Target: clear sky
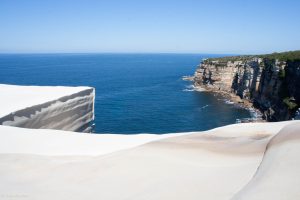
[[186, 26]]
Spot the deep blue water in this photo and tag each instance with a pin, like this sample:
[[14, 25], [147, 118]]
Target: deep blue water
[[135, 93]]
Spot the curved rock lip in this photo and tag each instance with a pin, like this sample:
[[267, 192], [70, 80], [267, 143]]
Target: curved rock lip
[[278, 173], [62, 108]]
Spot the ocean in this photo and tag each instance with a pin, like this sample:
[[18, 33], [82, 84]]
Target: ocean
[[135, 93]]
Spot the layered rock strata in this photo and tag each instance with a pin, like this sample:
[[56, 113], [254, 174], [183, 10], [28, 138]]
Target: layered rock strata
[[270, 85], [67, 108]]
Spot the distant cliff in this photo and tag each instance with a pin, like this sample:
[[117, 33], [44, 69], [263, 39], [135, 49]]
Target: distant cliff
[[270, 83]]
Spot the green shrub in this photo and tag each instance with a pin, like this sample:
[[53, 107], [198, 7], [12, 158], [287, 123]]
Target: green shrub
[[284, 56], [290, 104]]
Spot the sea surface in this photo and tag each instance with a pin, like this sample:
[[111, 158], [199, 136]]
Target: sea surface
[[135, 93]]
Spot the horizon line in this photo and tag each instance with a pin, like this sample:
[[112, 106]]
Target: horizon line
[[200, 53], [149, 52]]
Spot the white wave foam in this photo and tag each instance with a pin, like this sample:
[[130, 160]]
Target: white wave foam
[[188, 90], [254, 113], [229, 102], [192, 88], [255, 116]]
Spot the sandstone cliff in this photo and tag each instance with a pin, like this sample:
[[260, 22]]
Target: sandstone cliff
[[270, 83]]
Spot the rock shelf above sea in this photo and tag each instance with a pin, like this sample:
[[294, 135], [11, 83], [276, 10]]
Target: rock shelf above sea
[[61, 108]]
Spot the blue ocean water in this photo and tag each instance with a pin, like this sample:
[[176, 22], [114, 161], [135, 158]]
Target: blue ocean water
[[135, 93]]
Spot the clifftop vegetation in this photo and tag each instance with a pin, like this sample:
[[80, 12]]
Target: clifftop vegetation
[[283, 56]]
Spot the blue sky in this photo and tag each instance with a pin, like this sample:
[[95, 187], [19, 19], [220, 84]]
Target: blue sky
[[187, 26]]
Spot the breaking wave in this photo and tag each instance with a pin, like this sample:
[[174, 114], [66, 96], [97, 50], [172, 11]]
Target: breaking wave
[[192, 88]]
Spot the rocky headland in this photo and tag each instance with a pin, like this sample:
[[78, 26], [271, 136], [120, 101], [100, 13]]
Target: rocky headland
[[268, 83]]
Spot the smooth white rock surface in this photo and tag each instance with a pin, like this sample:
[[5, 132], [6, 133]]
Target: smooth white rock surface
[[51, 107]]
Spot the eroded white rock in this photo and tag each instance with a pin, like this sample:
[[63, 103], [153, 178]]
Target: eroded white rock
[[62, 108]]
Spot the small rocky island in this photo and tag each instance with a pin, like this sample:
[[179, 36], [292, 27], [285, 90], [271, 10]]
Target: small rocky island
[[269, 83]]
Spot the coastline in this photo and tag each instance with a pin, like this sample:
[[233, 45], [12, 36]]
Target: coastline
[[150, 100], [237, 101], [229, 98], [269, 83]]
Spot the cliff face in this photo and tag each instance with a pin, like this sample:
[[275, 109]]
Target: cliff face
[[270, 85]]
